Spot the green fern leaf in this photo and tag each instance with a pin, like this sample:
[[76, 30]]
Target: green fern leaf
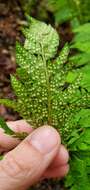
[[41, 35], [49, 91], [9, 103], [4, 126]]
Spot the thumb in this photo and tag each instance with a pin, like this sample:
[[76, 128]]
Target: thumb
[[23, 166]]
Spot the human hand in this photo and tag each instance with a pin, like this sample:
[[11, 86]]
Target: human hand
[[40, 155]]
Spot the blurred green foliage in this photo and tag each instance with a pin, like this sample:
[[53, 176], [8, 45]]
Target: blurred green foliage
[[61, 10]]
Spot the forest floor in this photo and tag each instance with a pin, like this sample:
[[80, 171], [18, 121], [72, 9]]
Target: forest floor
[[11, 19]]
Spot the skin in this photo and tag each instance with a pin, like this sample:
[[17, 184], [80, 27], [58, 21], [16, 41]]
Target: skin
[[40, 155]]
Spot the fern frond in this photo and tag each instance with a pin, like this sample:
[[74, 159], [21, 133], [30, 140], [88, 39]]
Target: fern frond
[[45, 37], [8, 103], [48, 91], [63, 56], [4, 126]]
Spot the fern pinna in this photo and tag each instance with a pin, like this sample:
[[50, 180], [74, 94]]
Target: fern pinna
[[51, 89]]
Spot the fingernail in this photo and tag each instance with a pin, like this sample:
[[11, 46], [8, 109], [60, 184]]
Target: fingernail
[[45, 139]]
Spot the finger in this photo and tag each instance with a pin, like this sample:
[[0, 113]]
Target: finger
[[7, 142], [25, 165], [58, 172], [59, 166], [20, 126], [61, 158]]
